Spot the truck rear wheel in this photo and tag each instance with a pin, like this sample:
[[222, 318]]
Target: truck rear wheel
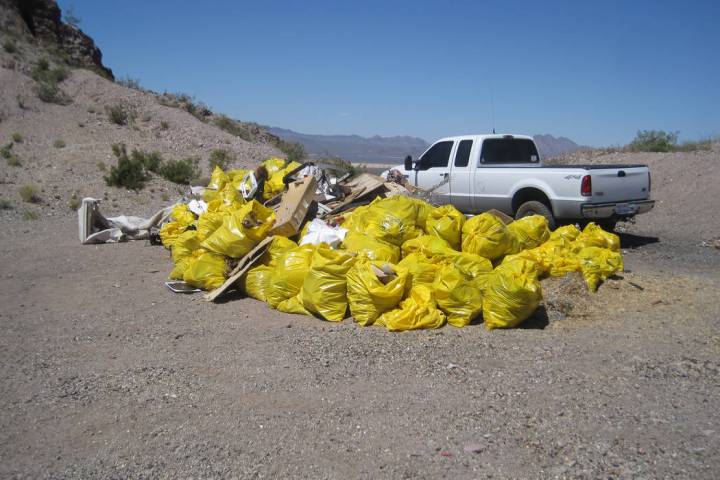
[[533, 207]]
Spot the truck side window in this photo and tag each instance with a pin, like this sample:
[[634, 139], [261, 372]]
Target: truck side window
[[462, 157], [508, 150], [437, 156]]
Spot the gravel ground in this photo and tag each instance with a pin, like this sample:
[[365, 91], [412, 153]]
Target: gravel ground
[[107, 374]]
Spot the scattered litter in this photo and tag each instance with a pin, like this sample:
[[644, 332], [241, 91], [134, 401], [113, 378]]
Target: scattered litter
[[178, 286], [94, 227]]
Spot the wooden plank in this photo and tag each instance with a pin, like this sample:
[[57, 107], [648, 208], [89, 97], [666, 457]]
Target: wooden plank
[[243, 266]]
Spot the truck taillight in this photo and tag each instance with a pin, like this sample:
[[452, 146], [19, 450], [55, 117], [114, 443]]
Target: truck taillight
[[586, 186]]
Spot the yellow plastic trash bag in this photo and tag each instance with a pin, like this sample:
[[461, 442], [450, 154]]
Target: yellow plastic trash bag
[[473, 267], [170, 232], [256, 282], [289, 274], [274, 183], [567, 232], [594, 236], [236, 177], [421, 270], [446, 222], [459, 296], [431, 246], [598, 264], [417, 311], [208, 223], [273, 165], [206, 271], [241, 230], [374, 288], [186, 243], [370, 248], [218, 179], [388, 225], [293, 305], [529, 232], [410, 209], [277, 248], [513, 293], [182, 214], [486, 235], [178, 271], [324, 291]]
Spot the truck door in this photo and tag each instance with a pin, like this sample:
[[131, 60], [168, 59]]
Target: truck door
[[433, 171], [460, 177]]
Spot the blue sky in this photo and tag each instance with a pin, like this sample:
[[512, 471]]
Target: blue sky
[[595, 72]]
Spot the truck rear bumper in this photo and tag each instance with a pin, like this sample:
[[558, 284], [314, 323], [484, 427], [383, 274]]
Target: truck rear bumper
[[623, 209]]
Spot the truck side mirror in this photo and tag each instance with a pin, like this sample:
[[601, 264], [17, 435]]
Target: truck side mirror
[[408, 163]]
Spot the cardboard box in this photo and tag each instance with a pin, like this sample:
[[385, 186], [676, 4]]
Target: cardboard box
[[294, 206]]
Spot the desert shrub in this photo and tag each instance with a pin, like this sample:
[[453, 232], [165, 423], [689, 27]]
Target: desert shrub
[[14, 161], [29, 193], [128, 82], [20, 102], [180, 171], [101, 166], [74, 202], [295, 152], [120, 114], [165, 197], [653, 141], [9, 46], [129, 172], [164, 125], [51, 93], [17, 137], [220, 158], [69, 16], [5, 204], [151, 160], [6, 150], [695, 146], [30, 215], [42, 72], [59, 143], [233, 127]]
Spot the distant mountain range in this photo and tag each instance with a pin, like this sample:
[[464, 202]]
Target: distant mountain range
[[378, 149]]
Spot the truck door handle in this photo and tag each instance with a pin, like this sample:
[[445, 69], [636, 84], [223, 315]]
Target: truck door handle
[[444, 175]]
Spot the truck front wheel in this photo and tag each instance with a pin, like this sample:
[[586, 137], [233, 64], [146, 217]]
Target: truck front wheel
[[533, 207]]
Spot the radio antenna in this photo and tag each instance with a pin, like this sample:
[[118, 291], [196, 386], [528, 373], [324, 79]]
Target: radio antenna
[[492, 109]]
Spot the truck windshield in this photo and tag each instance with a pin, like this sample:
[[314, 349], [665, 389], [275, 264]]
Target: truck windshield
[[508, 150]]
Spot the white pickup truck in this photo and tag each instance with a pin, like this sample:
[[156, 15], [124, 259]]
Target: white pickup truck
[[479, 172]]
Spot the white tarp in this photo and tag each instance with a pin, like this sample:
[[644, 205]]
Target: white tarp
[[94, 227]]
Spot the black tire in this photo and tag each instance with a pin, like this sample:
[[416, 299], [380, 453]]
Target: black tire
[[533, 207]]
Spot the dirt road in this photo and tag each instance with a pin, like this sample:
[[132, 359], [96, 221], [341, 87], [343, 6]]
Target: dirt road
[[107, 374]]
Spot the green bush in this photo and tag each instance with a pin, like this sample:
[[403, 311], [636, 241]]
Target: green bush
[[129, 172], [51, 93], [128, 82], [181, 171], [119, 114], [295, 151], [17, 138], [220, 158], [59, 143], [233, 127], [9, 46], [30, 215], [74, 202], [6, 150], [101, 166], [164, 125], [152, 161], [5, 204], [42, 72], [653, 141], [14, 161], [29, 193]]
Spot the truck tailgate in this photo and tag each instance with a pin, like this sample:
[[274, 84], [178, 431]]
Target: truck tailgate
[[620, 184]]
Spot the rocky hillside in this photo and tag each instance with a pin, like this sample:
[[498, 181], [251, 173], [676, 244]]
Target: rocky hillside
[[60, 114]]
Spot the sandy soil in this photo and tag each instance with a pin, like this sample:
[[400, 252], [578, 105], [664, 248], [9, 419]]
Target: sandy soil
[[104, 373]]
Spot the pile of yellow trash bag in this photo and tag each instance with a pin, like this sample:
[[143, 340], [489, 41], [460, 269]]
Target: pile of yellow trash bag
[[403, 264]]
